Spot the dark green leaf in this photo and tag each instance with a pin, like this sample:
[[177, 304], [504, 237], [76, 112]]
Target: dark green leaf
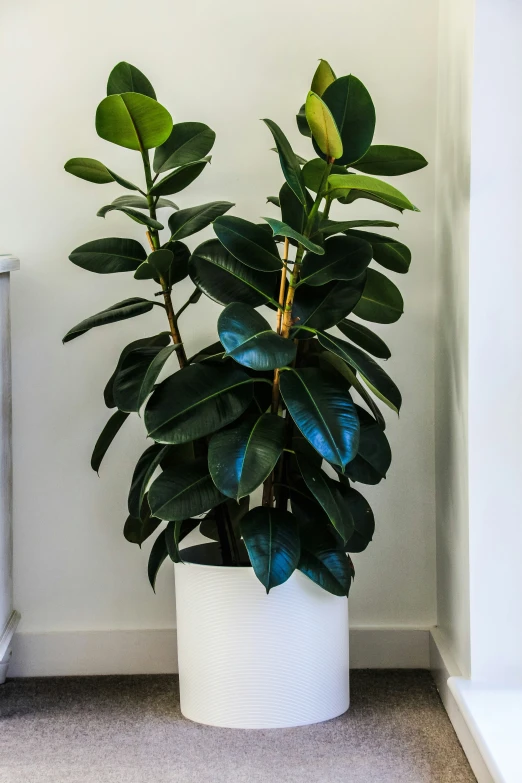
[[320, 307], [365, 338], [302, 122], [180, 266], [225, 279], [146, 271], [323, 410], [289, 164], [133, 120], [248, 338], [184, 492], [137, 375], [282, 230], [125, 77], [138, 217], [117, 312], [340, 366], [241, 458], [341, 260], [162, 339], [389, 161], [363, 519], [179, 179], [90, 170], [323, 77], [143, 472], [247, 242], [107, 435], [121, 181], [341, 185], [386, 251], [374, 456], [189, 221], [176, 532], [187, 143], [158, 555], [372, 373], [381, 300], [354, 114], [329, 495], [106, 256], [161, 260], [271, 537], [136, 531], [140, 202], [275, 199], [197, 401], [329, 227], [292, 211]]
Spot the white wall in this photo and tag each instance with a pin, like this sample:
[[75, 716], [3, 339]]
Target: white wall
[[451, 332], [226, 64]]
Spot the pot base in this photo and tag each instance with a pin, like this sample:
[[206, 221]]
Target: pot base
[[255, 661]]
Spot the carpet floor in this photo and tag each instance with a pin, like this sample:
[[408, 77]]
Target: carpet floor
[[130, 730]]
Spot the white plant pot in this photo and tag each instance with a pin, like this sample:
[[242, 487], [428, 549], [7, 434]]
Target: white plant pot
[[249, 660]]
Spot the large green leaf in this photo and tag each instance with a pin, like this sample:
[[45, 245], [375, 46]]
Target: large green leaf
[[390, 161], [225, 279], [249, 243], [341, 261], [138, 217], [136, 530], [292, 211], [241, 458], [107, 435], [128, 308], [386, 250], [323, 77], [374, 455], [322, 124], [143, 472], [313, 172], [175, 532], [329, 227], [179, 179], [364, 522], [280, 229], [106, 256], [323, 410], [341, 185], [371, 372], [271, 537], [162, 339], [187, 143], [248, 338], [331, 360], [320, 307], [137, 375], [329, 494], [90, 170], [381, 300], [125, 77], [179, 268], [289, 163], [197, 401], [354, 114], [133, 120], [140, 202], [161, 260], [364, 337], [158, 555], [183, 492], [189, 221]]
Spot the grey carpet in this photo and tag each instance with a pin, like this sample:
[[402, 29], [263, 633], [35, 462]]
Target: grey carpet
[[130, 730]]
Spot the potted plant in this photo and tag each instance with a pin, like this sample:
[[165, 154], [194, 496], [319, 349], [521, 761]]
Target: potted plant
[[277, 406]]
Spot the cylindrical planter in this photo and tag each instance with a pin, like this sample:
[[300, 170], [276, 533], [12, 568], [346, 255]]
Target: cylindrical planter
[[255, 661]]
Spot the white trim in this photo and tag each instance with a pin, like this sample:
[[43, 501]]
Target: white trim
[[8, 263], [144, 651], [446, 673]]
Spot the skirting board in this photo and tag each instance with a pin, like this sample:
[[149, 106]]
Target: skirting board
[[154, 651]]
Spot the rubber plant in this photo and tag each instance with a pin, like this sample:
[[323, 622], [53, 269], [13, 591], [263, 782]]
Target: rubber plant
[[289, 407]]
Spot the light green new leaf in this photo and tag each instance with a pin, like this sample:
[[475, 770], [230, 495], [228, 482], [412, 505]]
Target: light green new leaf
[[120, 311], [271, 537], [187, 143], [280, 229], [323, 77], [193, 219], [289, 163], [249, 243], [242, 457], [138, 217], [107, 435], [323, 127], [354, 114], [133, 120], [248, 338], [390, 161], [340, 186], [313, 172], [125, 77], [183, 492], [381, 300], [89, 169]]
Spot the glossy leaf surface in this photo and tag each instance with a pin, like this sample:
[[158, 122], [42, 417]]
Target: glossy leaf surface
[[341, 260], [89, 169], [280, 229], [189, 221], [106, 437], [162, 339], [289, 163], [389, 161], [134, 214], [187, 143], [386, 250], [365, 338], [133, 120], [373, 458], [272, 540], [329, 494], [179, 179], [125, 77], [128, 308], [248, 338], [106, 256], [249, 243], [353, 111], [381, 300], [175, 532], [137, 375], [322, 124], [184, 492], [341, 184], [320, 307]]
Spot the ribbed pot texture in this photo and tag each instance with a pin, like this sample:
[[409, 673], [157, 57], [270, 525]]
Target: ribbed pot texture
[[249, 660]]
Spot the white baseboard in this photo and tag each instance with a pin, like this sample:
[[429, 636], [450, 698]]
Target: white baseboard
[[154, 651], [445, 672]]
